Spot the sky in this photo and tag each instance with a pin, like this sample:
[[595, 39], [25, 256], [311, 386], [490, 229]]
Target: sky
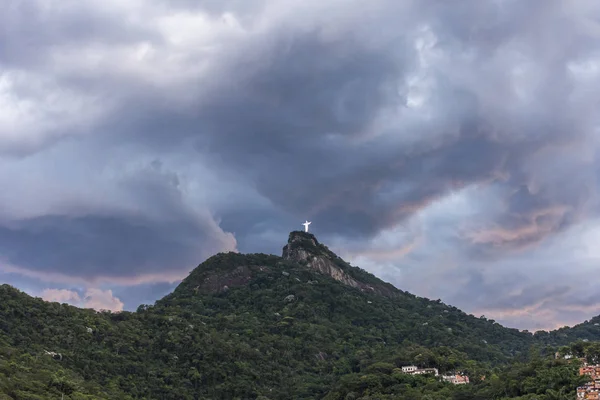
[[451, 148]]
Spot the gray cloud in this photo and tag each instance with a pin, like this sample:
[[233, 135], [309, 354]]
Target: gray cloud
[[113, 245], [310, 107], [32, 30], [156, 129], [145, 226]]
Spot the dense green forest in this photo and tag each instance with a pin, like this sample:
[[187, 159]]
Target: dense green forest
[[303, 326]]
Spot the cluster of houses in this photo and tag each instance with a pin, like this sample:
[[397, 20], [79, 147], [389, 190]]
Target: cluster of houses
[[456, 379], [591, 390]]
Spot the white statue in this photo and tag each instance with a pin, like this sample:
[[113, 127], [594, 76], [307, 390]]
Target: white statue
[[306, 224]]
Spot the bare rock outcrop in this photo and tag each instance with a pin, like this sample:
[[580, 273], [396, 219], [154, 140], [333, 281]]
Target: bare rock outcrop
[[303, 248]]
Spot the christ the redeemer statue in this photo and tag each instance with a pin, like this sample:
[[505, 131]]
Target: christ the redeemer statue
[[306, 224]]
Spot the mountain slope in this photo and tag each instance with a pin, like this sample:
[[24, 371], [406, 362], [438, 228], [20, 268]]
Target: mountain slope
[[296, 324], [362, 303]]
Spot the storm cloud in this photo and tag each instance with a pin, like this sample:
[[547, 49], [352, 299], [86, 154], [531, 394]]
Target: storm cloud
[[428, 142]]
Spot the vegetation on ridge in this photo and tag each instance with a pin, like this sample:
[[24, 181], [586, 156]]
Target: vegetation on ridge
[[261, 327]]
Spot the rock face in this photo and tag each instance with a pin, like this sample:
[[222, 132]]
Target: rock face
[[303, 248], [290, 298]]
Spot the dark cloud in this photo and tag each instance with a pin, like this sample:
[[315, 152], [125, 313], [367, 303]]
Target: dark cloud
[[195, 119], [112, 245], [297, 113], [162, 234]]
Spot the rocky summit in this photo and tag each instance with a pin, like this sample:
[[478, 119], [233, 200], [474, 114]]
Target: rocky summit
[[303, 248], [303, 325]]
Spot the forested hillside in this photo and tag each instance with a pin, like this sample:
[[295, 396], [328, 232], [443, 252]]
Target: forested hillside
[[306, 326]]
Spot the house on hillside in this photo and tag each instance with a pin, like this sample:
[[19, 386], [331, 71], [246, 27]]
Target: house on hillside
[[591, 390], [422, 371], [583, 392], [593, 371], [414, 370], [567, 356], [456, 379]]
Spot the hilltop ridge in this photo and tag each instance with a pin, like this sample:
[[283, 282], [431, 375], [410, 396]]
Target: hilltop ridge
[[224, 271], [305, 323]]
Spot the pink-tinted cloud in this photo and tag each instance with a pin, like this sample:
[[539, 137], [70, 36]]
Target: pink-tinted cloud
[[56, 277], [102, 300], [532, 229], [545, 314], [61, 296], [97, 299], [382, 254]]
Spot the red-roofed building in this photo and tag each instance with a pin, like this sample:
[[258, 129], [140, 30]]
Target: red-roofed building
[[591, 391]]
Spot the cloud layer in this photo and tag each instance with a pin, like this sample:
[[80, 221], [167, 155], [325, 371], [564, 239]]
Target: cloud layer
[[93, 298], [430, 143]]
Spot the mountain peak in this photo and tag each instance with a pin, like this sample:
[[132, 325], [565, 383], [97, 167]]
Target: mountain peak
[[300, 244], [304, 248], [301, 235], [225, 271]]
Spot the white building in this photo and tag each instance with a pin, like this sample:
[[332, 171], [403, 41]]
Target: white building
[[414, 370], [567, 356], [456, 379], [422, 371]]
